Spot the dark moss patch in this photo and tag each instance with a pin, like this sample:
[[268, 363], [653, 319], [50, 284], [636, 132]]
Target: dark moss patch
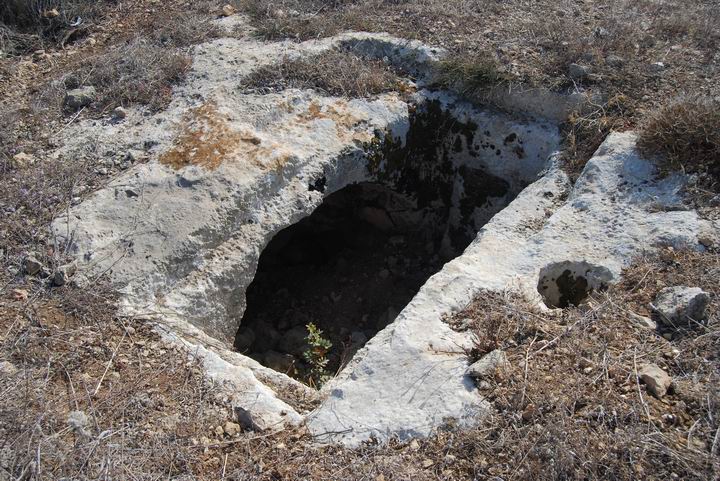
[[479, 186]]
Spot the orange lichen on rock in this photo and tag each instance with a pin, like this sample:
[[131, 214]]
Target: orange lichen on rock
[[343, 118], [206, 140]]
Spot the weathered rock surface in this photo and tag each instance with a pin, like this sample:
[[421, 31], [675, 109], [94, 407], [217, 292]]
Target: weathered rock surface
[[80, 97], [403, 382], [32, 266], [184, 247], [680, 306], [658, 381], [492, 364]]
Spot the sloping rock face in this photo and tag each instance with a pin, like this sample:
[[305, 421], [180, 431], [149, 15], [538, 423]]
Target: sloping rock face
[[228, 170], [405, 381], [225, 170], [181, 233]]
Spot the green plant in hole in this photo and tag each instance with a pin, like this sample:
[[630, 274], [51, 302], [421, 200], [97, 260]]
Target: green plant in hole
[[316, 356]]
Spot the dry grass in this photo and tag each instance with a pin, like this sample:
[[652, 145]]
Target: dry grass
[[686, 134], [305, 19], [584, 132], [144, 401], [34, 24], [573, 407], [332, 72], [570, 407], [31, 196], [182, 28], [139, 72], [535, 42], [472, 75]]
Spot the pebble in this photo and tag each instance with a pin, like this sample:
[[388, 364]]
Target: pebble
[[232, 429], [657, 380], [7, 368], [32, 266], [615, 61], [23, 160], [656, 67], [63, 274], [80, 97], [578, 72], [119, 113]]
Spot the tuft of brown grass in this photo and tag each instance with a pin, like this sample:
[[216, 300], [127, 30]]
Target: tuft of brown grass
[[685, 133], [584, 132], [138, 72], [182, 29], [471, 74], [332, 72], [32, 24]]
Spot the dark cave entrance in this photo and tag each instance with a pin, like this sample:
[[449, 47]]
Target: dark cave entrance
[[349, 269]]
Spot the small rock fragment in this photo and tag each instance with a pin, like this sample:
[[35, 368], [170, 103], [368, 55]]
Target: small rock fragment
[[63, 274], [529, 412], [294, 341], [244, 338], [232, 429], [71, 81], [19, 294], [577, 71], [80, 97], [657, 380], [680, 305], [656, 67], [7, 368], [642, 321], [358, 338], [32, 266], [280, 362], [601, 32], [615, 61], [78, 421], [136, 156], [491, 365], [376, 217], [119, 113], [23, 160]]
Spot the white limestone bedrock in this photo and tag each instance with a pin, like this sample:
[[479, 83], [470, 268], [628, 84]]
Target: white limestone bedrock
[[185, 242], [193, 226], [404, 382]]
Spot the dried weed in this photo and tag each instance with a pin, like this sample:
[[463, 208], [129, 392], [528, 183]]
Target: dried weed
[[686, 134], [332, 72]]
